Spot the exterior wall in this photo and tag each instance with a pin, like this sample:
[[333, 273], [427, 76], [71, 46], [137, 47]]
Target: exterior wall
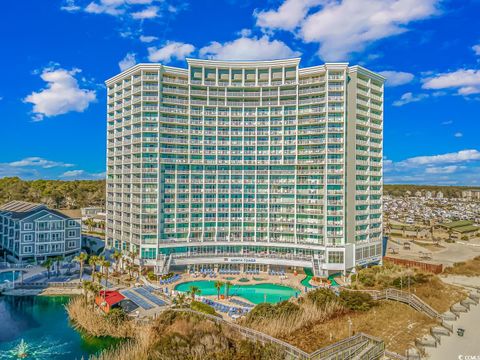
[[25, 238], [257, 159]]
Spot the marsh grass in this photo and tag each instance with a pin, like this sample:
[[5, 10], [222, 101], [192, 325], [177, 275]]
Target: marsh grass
[[95, 323], [465, 268]]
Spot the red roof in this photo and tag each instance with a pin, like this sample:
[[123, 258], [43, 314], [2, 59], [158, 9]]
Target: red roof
[[111, 297]]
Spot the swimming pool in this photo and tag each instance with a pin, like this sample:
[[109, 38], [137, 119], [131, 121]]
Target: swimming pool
[[9, 276], [258, 293]]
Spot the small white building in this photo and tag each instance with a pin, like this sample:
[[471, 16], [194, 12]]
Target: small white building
[[33, 231]]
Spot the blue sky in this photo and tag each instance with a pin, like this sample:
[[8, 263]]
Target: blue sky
[[57, 55]]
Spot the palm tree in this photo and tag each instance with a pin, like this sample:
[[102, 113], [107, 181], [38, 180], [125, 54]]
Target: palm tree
[[57, 260], [106, 265], [194, 290], [97, 276], [47, 264], [218, 285], [86, 286], [117, 255], [228, 284], [90, 223], [179, 300], [81, 258], [92, 261]]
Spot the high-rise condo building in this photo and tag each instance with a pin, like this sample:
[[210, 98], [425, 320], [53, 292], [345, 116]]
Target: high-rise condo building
[[251, 165]]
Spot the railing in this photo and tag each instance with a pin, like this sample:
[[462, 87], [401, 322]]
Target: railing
[[359, 346], [406, 298]]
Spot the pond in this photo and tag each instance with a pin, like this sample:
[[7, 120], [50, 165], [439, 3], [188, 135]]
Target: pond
[[39, 325], [9, 276], [257, 293]]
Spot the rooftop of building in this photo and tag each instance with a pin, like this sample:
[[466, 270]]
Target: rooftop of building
[[457, 224], [21, 209], [245, 64], [466, 229]]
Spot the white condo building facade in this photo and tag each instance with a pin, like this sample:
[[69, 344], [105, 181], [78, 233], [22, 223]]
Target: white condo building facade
[[246, 164]]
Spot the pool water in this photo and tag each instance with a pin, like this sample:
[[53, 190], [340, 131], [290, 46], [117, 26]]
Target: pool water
[[258, 293], [9, 276], [42, 322]]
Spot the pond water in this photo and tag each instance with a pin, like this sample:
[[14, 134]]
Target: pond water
[[42, 323], [257, 293], [9, 276]]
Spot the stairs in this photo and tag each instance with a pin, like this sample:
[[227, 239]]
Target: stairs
[[317, 266]]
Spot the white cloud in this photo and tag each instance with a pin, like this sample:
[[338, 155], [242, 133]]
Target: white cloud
[[171, 50], [81, 174], [70, 6], [396, 78], [148, 39], [287, 17], [127, 62], [245, 48], [450, 169], [341, 27], [35, 161], [476, 49], [466, 81], [110, 7], [447, 122], [150, 12], [61, 95], [458, 134], [461, 156], [138, 9], [409, 98]]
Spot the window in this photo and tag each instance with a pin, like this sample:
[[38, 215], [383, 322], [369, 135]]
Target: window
[[27, 249], [72, 244], [72, 223], [57, 237], [72, 233], [27, 237], [28, 226], [335, 257]]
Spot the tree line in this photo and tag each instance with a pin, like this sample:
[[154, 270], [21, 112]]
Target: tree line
[[56, 194]]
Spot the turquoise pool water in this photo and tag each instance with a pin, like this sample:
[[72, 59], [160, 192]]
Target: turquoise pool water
[[42, 322], [9, 276], [257, 293]]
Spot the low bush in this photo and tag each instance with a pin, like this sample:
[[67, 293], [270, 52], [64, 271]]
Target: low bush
[[321, 297], [151, 276], [356, 301], [204, 308], [167, 276]]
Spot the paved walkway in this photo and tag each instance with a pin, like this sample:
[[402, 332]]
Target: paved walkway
[[447, 255]]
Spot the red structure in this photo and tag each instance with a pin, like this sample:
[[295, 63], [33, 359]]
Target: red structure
[[108, 300], [433, 268]]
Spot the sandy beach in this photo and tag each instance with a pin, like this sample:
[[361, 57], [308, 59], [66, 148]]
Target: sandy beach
[[456, 347]]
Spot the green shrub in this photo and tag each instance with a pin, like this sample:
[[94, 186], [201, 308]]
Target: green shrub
[[151, 276], [116, 316], [269, 311], [167, 276], [202, 307], [320, 297], [356, 301]]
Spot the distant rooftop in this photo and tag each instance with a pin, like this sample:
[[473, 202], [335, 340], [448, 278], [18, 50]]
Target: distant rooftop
[[20, 206], [21, 209], [457, 224]]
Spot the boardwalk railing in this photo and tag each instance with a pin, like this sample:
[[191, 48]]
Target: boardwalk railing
[[403, 297], [360, 346]]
